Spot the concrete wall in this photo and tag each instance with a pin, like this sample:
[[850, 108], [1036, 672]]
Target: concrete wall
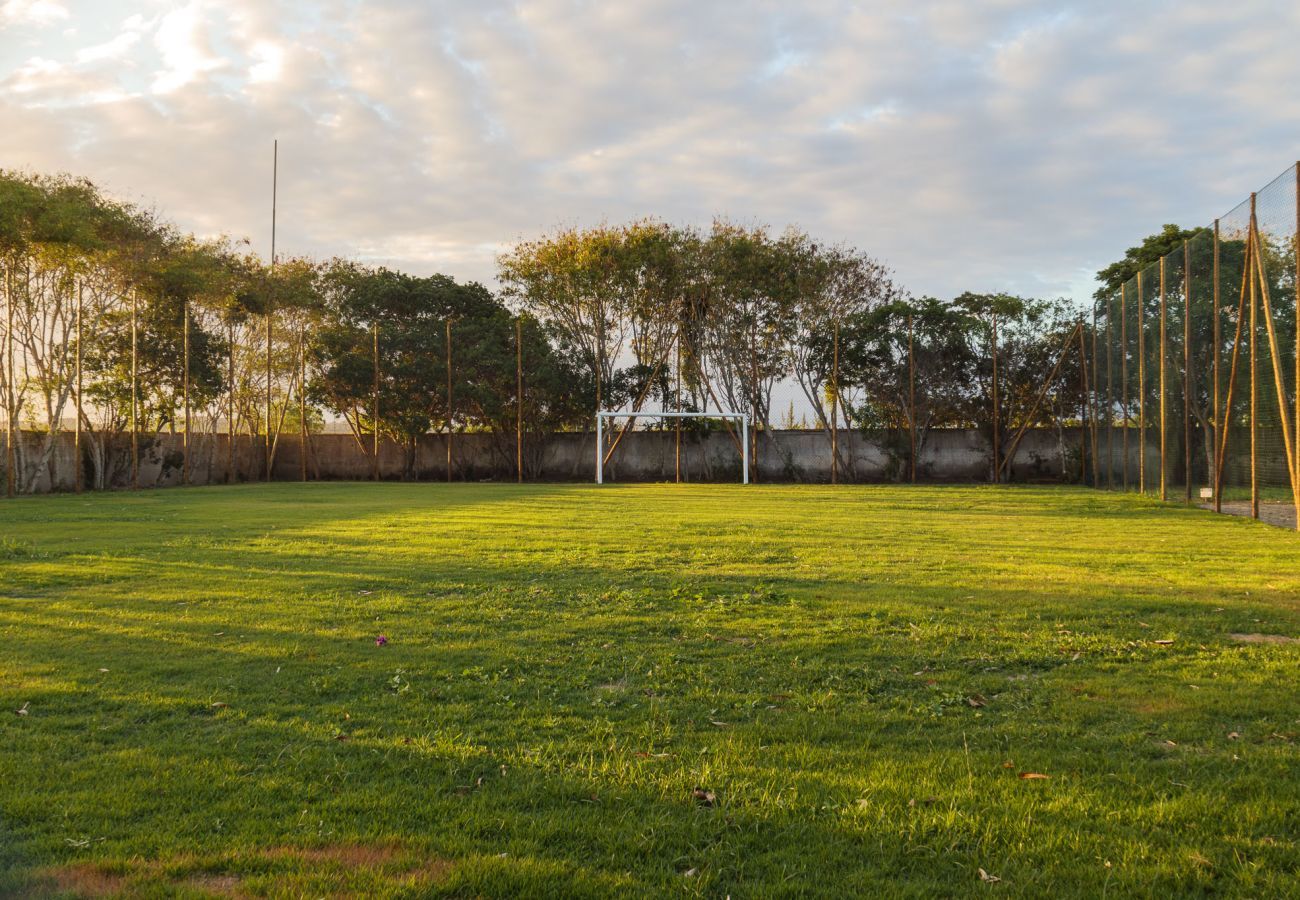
[[788, 456]]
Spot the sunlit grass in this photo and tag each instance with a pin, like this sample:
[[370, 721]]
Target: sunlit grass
[[859, 675]]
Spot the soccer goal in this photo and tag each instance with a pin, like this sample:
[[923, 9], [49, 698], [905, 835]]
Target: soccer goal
[[601, 458]]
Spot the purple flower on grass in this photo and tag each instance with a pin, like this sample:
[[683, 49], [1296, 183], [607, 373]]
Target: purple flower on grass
[[380, 641]]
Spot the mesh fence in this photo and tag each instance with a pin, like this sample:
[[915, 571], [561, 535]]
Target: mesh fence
[[1197, 365]]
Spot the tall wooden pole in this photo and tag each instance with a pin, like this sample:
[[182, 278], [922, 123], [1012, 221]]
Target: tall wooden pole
[[185, 382], [374, 403], [1110, 398], [78, 467], [1187, 371], [1123, 379], [519, 400], [1164, 461], [1093, 407], [678, 421], [1083, 404], [11, 451], [230, 404], [1295, 385], [997, 425], [302, 402], [835, 404], [1251, 249], [1215, 477], [275, 184], [135, 392], [911, 399], [449, 400], [1142, 387]]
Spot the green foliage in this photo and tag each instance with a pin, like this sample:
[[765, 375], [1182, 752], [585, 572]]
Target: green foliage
[[1152, 248]]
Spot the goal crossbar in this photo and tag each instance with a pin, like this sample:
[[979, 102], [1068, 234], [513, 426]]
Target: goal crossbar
[[600, 433]]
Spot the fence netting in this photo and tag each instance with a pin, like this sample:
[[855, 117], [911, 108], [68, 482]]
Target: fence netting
[[1197, 366]]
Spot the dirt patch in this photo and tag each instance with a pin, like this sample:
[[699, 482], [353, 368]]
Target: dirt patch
[[352, 856], [388, 861], [1263, 638], [1277, 513], [81, 880]]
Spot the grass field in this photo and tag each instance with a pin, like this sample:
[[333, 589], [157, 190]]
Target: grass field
[[858, 680]]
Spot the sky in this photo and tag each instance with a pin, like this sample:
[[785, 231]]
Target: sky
[[991, 146]]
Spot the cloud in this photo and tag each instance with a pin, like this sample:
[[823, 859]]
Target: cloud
[[1000, 145], [33, 12]]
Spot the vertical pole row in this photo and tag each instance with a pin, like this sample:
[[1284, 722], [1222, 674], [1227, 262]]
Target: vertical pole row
[[135, 391], [600, 448], [1164, 352], [835, 404], [519, 400], [374, 402], [78, 473], [1295, 385], [997, 425], [449, 401]]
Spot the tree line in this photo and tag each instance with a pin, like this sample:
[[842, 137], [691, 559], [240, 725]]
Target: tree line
[[106, 301]]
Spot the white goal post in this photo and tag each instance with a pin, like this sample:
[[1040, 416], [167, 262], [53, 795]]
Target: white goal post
[[600, 433]]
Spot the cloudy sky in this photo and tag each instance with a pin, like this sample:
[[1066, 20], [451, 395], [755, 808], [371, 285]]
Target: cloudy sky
[[997, 145]]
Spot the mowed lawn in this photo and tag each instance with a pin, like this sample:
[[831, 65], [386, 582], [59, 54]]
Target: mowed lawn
[[645, 690]]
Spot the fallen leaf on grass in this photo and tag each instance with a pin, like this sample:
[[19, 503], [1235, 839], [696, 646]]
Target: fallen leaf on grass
[[22, 710], [928, 801], [718, 724], [220, 705], [1162, 643], [1008, 765], [704, 797], [1033, 776], [987, 878], [1232, 735], [976, 701], [690, 873]]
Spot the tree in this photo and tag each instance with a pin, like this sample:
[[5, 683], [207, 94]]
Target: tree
[[1151, 250], [914, 363]]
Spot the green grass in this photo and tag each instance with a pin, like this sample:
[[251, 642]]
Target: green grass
[[859, 675]]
